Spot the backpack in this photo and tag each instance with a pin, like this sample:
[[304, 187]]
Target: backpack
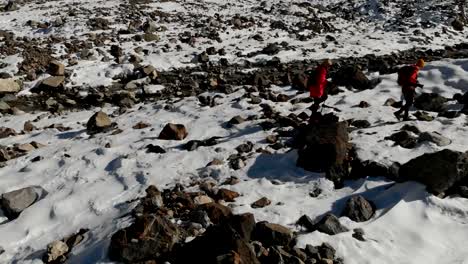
[[404, 74]]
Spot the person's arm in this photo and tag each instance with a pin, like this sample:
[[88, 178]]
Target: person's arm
[[413, 81]]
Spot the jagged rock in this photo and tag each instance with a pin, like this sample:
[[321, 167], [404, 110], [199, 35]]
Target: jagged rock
[[150, 237], [217, 212], [173, 132], [260, 203], [99, 122], [434, 137], [439, 171], [358, 209], [9, 86], [358, 233], [272, 234], [5, 107], [56, 68], [56, 252], [154, 149], [226, 195], [411, 128], [4, 155], [244, 224], [330, 225], [51, 83], [14, 202], [431, 102], [326, 149], [307, 223], [215, 162], [245, 148]]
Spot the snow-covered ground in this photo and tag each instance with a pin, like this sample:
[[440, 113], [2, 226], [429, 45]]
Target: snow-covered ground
[[89, 185]]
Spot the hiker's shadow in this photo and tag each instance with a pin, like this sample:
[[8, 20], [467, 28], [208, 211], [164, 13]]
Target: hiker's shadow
[[280, 167]]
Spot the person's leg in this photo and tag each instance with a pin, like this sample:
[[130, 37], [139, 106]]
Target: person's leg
[[409, 98], [315, 106]]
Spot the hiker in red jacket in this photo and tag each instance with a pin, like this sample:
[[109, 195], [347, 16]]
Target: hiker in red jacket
[[408, 80], [318, 84]]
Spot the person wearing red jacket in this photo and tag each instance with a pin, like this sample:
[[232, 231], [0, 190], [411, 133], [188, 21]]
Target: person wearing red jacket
[[318, 84], [408, 80]]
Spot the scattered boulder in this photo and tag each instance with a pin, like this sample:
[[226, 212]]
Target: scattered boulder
[[56, 68], [358, 209], [50, 84], [28, 126], [458, 25], [439, 171], [56, 252], [9, 86], [6, 132], [141, 125], [435, 138], [354, 77], [358, 233], [99, 122], [273, 234], [431, 102], [14, 202], [236, 120], [226, 195], [202, 199], [403, 139], [155, 149], [361, 123], [217, 212], [173, 132], [326, 149], [330, 225], [260, 203]]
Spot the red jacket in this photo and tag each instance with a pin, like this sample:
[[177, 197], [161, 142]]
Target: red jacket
[[317, 86], [412, 78]]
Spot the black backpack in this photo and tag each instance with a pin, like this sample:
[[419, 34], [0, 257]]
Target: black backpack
[[404, 73]]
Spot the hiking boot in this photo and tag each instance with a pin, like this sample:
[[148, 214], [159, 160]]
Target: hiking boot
[[397, 114]]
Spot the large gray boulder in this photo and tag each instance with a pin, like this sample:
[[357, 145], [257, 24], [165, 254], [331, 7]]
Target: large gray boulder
[[439, 171], [431, 102], [14, 202], [330, 224]]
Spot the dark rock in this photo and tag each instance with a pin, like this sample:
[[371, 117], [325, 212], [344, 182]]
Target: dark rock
[[245, 148], [141, 125], [330, 225], [359, 234], [150, 237], [173, 132], [431, 102], [439, 171], [354, 77], [326, 251], [272, 234], [458, 25], [358, 209], [326, 148], [449, 114], [361, 123], [271, 49], [307, 223], [56, 68], [7, 132], [244, 224], [403, 139], [154, 149], [363, 104], [411, 128]]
